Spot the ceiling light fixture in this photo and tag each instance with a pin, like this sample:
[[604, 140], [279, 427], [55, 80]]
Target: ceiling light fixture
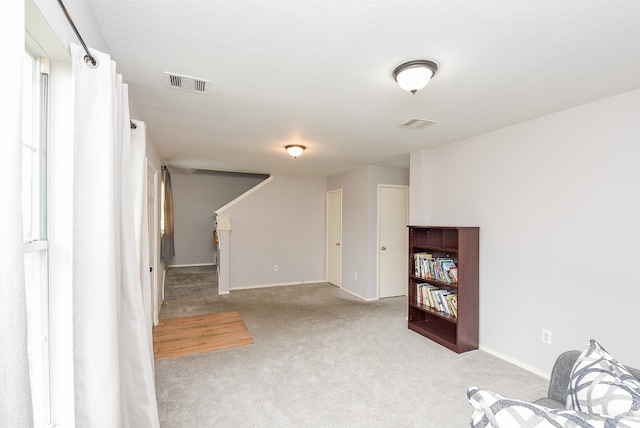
[[414, 75], [295, 150]]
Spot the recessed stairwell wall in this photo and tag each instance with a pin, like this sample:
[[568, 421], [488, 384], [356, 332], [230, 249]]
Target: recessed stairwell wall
[[196, 196], [277, 233]]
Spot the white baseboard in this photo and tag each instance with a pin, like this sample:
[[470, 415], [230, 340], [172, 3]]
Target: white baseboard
[[317, 281], [278, 284], [372, 299], [516, 362], [193, 265]]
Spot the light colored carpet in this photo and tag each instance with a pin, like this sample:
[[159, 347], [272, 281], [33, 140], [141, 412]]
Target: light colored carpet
[[195, 282], [177, 337], [323, 358]]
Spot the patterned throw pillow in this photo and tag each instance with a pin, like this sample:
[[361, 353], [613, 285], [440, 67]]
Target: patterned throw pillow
[[600, 384], [491, 410]]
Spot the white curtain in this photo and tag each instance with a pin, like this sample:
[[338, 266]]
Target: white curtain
[[15, 394], [113, 372]]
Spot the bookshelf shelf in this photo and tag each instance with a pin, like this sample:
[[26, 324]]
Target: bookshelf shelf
[[443, 336], [437, 319], [439, 314], [435, 282]]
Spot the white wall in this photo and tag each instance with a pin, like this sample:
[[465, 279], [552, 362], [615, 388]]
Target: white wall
[[418, 182], [557, 201], [196, 196], [360, 222], [282, 223]]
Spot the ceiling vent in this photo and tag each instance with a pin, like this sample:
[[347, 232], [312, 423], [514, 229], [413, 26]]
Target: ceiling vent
[[187, 83], [417, 123]]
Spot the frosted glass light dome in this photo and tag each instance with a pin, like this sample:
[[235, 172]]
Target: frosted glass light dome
[[295, 150], [414, 75]]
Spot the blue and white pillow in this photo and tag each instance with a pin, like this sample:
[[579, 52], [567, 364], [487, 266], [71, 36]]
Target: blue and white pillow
[[491, 410], [600, 384]]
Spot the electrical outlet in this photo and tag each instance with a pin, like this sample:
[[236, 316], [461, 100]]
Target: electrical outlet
[[275, 268], [546, 336], [355, 275]]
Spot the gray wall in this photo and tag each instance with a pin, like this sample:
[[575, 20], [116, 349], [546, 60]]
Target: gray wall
[[558, 206], [196, 195], [355, 225], [360, 222], [282, 223]]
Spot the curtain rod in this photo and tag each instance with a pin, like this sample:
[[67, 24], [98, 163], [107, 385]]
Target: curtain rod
[[89, 57]]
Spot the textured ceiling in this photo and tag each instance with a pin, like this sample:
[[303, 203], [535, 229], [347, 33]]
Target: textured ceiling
[[318, 73]]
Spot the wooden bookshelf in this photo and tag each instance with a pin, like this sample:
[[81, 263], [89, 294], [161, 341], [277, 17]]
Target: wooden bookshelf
[[458, 332]]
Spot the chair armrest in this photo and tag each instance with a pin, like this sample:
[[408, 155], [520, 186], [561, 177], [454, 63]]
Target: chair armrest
[[560, 376]]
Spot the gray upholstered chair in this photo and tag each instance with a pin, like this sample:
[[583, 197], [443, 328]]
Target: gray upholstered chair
[[559, 383]]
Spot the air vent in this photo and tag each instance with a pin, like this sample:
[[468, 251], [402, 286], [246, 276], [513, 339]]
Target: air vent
[[417, 123], [188, 83]]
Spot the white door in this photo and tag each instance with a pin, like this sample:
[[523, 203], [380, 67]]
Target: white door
[[334, 237], [393, 209], [153, 228]]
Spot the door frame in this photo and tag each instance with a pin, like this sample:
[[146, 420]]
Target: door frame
[[378, 243], [154, 252], [339, 191]]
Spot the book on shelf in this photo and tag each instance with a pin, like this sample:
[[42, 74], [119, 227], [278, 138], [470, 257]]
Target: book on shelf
[[423, 295], [452, 301], [453, 273], [437, 298], [441, 300], [420, 264], [445, 264], [442, 269]]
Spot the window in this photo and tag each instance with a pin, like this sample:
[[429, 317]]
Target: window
[[34, 212]]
